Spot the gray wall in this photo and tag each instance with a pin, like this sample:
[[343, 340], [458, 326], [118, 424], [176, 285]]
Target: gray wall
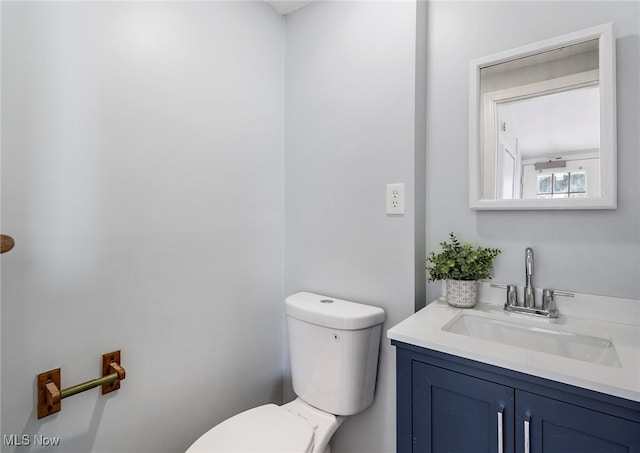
[[143, 177], [587, 251], [143, 181], [350, 130]]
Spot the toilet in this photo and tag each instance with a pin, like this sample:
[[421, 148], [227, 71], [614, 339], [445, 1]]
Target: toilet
[[333, 346]]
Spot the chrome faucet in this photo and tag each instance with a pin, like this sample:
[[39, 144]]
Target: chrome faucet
[[548, 309], [529, 291]]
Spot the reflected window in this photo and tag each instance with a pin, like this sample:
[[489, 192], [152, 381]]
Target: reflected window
[[562, 185]]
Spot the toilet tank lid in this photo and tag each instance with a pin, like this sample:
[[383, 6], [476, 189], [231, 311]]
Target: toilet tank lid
[[332, 312]]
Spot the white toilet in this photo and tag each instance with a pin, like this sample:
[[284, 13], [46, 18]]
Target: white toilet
[[333, 348]]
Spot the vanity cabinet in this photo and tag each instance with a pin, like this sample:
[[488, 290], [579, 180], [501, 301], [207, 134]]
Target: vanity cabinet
[[452, 404], [454, 412], [551, 426]]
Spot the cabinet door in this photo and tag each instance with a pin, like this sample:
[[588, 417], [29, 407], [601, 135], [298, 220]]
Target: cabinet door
[[456, 413], [551, 426]]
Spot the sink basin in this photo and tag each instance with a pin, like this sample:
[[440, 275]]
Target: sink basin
[[541, 338]]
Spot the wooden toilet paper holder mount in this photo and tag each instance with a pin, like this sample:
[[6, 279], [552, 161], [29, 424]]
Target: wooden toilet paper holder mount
[[50, 396]]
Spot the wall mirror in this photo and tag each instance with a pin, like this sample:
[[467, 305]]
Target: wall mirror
[[542, 125]]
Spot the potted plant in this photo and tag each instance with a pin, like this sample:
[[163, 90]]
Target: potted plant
[[461, 265]]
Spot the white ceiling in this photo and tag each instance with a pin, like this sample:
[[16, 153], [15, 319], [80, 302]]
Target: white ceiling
[[285, 7], [555, 124]]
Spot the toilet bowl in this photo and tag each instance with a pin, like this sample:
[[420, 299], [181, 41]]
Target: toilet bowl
[[333, 348]]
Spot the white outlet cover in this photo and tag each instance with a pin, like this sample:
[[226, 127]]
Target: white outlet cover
[[395, 199]]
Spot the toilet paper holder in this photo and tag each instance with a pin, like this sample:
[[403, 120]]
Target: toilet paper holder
[[50, 396]]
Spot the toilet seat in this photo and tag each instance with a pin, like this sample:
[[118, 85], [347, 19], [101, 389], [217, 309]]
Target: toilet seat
[[263, 429]]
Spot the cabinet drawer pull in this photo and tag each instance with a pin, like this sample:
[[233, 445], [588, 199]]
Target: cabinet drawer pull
[[500, 435], [526, 436]]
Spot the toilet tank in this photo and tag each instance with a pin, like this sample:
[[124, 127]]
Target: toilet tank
[[333, 347]]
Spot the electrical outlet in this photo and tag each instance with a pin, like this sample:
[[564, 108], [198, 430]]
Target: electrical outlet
[[395, 198]]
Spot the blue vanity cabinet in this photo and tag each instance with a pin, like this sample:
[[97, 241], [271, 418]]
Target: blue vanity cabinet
[[558, 427], [453, 412], [447, 403]]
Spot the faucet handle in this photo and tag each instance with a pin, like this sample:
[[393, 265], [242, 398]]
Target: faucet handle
[[512, 294], [548, 300], [499, 285]]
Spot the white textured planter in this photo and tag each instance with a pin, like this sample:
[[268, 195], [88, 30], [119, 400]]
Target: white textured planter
[[462, 293]]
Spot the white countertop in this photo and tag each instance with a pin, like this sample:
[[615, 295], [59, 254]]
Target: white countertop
[[425, 329]]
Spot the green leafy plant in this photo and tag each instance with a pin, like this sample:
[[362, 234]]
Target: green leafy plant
[[460, 261]]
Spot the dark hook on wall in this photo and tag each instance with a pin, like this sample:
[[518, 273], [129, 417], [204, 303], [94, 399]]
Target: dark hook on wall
[[6, 243]]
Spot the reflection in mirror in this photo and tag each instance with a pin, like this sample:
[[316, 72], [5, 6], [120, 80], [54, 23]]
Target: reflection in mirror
[[538, 132], [551, 133]]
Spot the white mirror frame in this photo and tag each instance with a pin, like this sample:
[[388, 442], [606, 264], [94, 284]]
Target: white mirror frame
[[608, 152]]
